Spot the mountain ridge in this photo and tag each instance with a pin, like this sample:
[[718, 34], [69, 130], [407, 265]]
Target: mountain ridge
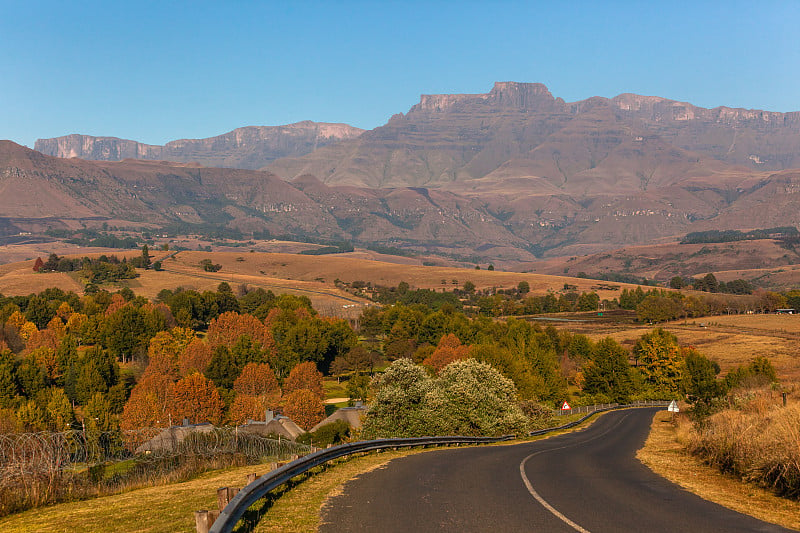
[[249, 147]]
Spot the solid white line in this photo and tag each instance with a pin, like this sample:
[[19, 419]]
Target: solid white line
[[544, 502]]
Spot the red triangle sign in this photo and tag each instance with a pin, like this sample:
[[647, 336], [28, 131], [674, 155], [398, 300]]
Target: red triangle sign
[[565, 407]]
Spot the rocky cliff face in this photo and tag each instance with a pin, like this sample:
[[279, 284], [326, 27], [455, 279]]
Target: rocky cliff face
[[522, 130], [250, 147]]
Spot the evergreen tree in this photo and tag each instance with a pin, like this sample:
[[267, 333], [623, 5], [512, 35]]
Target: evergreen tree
[[609, 373]]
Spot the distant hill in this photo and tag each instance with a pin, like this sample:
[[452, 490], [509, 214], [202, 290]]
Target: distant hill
[[251, 147]]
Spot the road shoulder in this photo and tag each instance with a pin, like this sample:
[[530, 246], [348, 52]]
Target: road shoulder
[[664, 455]]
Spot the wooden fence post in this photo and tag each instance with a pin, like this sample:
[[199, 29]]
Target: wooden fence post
[[225, 495], [203, 520]]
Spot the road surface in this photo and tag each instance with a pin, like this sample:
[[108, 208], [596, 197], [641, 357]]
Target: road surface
[[585, 481]]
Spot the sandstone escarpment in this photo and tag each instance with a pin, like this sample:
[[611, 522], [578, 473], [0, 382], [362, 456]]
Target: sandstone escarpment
[[250, 147]]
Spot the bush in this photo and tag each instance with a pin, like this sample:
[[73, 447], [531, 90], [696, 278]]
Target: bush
[[334, 433], [468, 398]]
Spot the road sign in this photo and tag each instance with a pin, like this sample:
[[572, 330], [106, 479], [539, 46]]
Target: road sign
[[565, 407], [673, 407]]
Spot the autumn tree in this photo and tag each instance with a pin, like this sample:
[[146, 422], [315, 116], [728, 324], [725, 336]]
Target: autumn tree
[[304, 376], [257, 379], [245, 407], [305, 408], [448, 350], [194, 358], [165, 348], [660, 360], [195, 398], [228, 328]]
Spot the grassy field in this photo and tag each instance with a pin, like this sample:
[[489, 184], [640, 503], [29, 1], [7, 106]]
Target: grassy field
[[160, 509]]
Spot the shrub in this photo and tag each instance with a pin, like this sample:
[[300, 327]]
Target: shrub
[[334, 433], [468, 398]]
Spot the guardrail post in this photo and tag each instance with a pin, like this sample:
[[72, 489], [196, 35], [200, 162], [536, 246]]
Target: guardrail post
[[225, 495], [251, 477], [203, 520]]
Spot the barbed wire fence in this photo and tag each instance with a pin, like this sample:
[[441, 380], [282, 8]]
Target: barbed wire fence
[[49, 453]]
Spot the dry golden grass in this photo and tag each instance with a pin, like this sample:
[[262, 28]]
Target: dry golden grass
[[312, 276], [757, 438], [16, 280], [325, 269], [665, 455], [161, 509]]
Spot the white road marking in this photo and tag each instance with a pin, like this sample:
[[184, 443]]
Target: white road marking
[[544, 502]]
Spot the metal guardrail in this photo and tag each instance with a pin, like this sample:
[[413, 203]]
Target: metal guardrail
[[258, 489], [592, 410]]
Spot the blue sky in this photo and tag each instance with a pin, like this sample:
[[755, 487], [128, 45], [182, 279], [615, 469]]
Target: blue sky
[[158, 71]]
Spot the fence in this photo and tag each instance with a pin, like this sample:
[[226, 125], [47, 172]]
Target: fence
[[606, 406], [26, 454]]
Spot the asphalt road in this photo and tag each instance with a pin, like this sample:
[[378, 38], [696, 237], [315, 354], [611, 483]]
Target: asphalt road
[[586, 481]]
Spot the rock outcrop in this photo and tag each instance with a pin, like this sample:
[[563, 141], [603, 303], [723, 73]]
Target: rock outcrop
[[251, 147]]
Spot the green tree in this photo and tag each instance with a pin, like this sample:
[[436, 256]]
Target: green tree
[[8, 379], [126, 334], [609, 373], [60, 415], [700, 379]]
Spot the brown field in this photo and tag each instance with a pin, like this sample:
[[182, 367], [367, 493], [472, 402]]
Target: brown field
[[308, 275], [326, 269], [731, 340]]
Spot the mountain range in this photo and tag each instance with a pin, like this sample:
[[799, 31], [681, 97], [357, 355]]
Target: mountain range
[[250, 147], [509, 175]]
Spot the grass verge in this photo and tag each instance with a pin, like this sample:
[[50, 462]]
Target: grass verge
[[665, 456], [160, 509]]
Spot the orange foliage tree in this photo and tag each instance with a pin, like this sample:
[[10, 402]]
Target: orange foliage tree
[[304, 376], [194, 358], [117, 303], [226, 329], [257, 379], [305, 408], [147, 403], [46, 338], [195, 397], [448, 350], [245, 407]]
